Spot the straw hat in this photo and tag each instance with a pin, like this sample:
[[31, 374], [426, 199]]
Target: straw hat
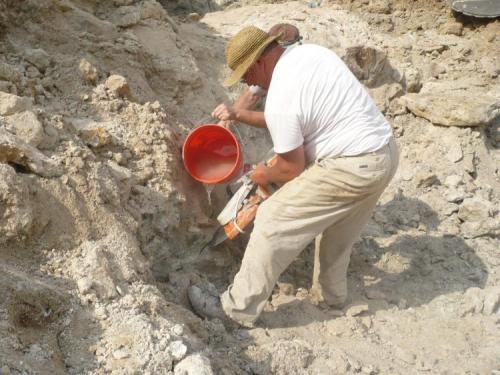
[[244, 49]]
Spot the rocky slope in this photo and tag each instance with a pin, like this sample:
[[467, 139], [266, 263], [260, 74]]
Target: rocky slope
[[100, 227]]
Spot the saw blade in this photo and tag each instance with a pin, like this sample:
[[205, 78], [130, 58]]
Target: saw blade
[[218, 237]]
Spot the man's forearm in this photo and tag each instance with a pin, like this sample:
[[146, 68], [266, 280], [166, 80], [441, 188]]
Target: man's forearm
[[252, 118], [247, 100], [280, 175]]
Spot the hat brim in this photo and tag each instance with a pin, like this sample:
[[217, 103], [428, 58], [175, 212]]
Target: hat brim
[[240, 71]]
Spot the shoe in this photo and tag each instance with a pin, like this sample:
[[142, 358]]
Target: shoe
[[206, 302]]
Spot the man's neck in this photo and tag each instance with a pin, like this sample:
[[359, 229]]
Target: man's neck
[[272, 58]]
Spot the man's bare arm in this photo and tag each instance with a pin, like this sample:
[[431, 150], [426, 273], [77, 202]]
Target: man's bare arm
[[224, 112], [241, 110], [288, 166]]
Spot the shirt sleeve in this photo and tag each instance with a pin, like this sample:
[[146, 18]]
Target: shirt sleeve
[[285, 131]]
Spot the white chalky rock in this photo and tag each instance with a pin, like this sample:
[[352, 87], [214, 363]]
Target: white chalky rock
[[178, 349], [491, 301], [194, 364], [474, 209], [453, 181], [14, 150], [26, 126], [10, 104], [454, 109]]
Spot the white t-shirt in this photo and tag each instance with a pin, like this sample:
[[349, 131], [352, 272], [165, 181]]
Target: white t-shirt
[[315, 100]]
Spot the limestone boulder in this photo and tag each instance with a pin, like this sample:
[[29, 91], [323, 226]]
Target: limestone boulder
[[26, 126], [88, 72], [454, 108], [194, 364], [93, 133], [475, 209], [370, 66], [16, 213], [118, 86], [10, 104], [14, 150]]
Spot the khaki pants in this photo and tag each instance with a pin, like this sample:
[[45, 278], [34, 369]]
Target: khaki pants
[[331, 200]]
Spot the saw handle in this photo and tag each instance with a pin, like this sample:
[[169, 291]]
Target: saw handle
[[247, 213], [244, 218]]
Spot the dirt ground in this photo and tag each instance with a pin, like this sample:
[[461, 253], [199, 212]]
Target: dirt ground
[[100, 225]]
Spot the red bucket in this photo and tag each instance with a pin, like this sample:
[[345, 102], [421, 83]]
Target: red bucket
[[212, 154]]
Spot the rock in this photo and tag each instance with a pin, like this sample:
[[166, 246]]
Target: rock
[[453, 181], [39, 58], [121, 354], [357, 310], [9, 72], [455, 153], [454, 109], [15, 151], [177, 330], [84, 285], [26, 126], [405, 356], [10, 104], [472, 302], [474, 209], [151, 9], [194, 17], [178, 349], [119, 86], [468, 163], [32, 72], [126, 16], [380, 6], [454, 28], [106, 269], [286, 356], [375, 294], [425, 178], [16, 215], [413, 80], [5, 370], [490, 66], [384, 94], [369, 65], [486, 227], [491, 300], [455, 196], [5, 86], [287, 289], [88, 72], [435, 69], [50, 139], [194, 364], [397, 108], [93, 133]]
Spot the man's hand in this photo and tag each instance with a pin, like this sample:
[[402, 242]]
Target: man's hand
[[224, 112], [259, 175], [225, 124]]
